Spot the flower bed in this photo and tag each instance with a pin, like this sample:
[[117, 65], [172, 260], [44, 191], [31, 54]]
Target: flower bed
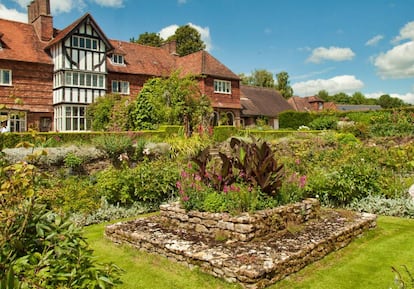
[[302, 234], [243, 227]]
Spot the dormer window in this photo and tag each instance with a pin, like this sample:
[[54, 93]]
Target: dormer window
[[222, 86], [117, 59]]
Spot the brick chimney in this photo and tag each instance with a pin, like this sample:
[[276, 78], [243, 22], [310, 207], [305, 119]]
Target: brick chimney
[[170, 47], [40, 17]]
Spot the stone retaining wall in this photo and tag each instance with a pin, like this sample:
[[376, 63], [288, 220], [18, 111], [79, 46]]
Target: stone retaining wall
[[243, 227], [257, 263]]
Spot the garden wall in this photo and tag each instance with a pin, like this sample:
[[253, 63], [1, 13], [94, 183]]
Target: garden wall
[[243, 227], [257, 263]]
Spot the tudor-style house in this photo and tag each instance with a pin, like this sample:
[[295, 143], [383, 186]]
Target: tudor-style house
[[48, 77]]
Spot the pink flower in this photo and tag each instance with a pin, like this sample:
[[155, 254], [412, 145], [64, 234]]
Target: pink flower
[[178, 185], [184, 174], [225, 189], [302, 182], [185, 198], [297, 161]]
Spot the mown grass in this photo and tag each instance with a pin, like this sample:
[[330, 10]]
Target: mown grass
[[365, 263]]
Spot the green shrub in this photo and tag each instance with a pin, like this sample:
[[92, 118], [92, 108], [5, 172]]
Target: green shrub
[[231, 181], [116, 185], [295, 119], [402, 207], [150, 181], [324, 123], [115, 145], [72, 194], [155, 181], [39, 248], [224, 132]]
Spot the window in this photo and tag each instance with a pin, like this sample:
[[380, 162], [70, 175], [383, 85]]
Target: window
[[84, 80], [222, 86], [5, 77], [117, 59], [71, 118], [84, 42], [16, 121], [120, 86]]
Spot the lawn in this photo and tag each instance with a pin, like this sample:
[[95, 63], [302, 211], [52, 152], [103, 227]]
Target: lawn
[[365, 263]]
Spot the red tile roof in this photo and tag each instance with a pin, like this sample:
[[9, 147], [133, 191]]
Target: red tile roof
[[141, 59], [304, 103], [203, 63], [21, 43]]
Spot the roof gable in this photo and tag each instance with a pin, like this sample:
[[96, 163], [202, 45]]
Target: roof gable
[[260, 101], [203, 63], [72, 28], [20, 43]]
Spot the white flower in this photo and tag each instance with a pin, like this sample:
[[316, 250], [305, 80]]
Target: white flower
[[146, 151]]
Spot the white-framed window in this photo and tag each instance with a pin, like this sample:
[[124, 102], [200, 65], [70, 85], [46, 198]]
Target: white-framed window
[[85, 42], [222, 86], [5, 77], [15, 121], [117, 59], [119, 86], [80, 79], [71, 118]]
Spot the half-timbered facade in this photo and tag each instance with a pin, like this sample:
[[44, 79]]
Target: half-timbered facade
[[61, 72], [79, 73]]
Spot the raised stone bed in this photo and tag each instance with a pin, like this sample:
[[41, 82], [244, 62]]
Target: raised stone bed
[[253, 262], [243, 227]]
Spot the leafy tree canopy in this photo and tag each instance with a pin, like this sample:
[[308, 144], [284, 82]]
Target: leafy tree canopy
[[149, 39], [283, 84], [175, 100], [188, 40], [259, 77], [385, 101]]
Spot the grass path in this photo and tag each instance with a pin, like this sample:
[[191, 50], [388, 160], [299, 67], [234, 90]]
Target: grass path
[[365, 263]]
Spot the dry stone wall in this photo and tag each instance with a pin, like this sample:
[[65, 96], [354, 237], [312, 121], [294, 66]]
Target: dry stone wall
[[243, 227], [257, 263]]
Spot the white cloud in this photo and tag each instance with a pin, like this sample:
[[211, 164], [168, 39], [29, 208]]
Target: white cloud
[[342, 83], [110, 3], [407, 32], [57, 6], [204, 33], [168, 31], [12, 14], [397, 62], [332, 53], [182, 1], [374, 40]]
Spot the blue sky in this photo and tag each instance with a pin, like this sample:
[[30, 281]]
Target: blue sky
[[338, 46]]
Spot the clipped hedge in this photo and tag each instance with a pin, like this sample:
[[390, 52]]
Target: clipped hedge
[[294, 119], [54, 139], [223, 132]]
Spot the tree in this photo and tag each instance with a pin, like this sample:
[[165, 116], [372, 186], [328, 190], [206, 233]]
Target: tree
[[261, 78], [283, 85], [324, 95], [188, 40], [358, 98], [108, 113], [386, 101], [149, 39], [175, 100]]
